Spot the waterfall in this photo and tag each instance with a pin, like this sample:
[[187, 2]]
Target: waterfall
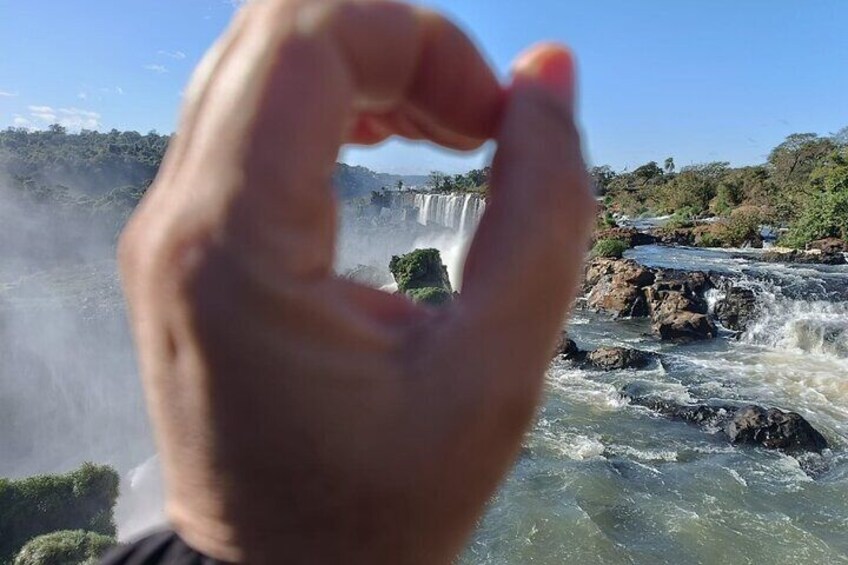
[[459, 212]]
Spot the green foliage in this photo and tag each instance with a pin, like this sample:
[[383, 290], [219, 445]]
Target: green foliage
[[606, 221], [476, 180], [83, 499], [611, 248], [69, 547], [825, 214], [430, 295], [422, 268], [682, 218]]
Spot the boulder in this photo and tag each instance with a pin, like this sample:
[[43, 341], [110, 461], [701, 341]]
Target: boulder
[[422, 276], [737, 309], [774, 429], [567, 348], [617, 358], [684, 327], [423, 268], [677, 307], [770, 428], [615, 286]]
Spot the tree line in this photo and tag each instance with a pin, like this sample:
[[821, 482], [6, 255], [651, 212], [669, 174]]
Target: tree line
[[803, 187]]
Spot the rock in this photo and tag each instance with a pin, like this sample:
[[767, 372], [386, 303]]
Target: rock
[[748, 425], [828, 245], [673, 236], [369, 276], [81, 500], [631, 236], [705, 415], [684, 327], [423, 268], [615, 286], [422, 276], [616, 358], [430, 295], [737, 309], [812, 257], [567, 348], [774, 429], [677, 307]]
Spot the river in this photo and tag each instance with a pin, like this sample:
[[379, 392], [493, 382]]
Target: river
[[599, 480]]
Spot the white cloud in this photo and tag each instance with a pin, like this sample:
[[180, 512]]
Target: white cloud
[[82, 96], [71, 118], [179, 55], [159, 69], [7, 94], [119, 91]]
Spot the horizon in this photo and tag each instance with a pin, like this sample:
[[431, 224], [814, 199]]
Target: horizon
[[698, 84]]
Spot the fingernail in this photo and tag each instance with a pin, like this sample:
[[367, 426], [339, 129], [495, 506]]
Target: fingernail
[[549, 65]]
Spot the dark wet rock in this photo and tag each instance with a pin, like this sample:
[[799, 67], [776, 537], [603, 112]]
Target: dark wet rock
[[684, 327], [771, 428], [701, 414], [567, 348], [737, 309], [617, 358], [774, 429], [814, 257], [631, 236]]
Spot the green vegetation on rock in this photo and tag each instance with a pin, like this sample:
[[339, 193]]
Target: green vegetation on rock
[[430, 295], [422, 268], [611, 248], [69, 547], [81, 500]]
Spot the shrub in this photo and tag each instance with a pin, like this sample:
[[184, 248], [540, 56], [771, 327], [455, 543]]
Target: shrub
[[430, 295], [420, 269], [67, 547], [612, 248], [825, 216], [81, 500]]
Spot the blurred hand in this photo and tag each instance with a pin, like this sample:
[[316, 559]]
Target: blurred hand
[[304, 418]]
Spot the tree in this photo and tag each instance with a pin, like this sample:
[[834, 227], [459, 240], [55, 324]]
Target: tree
[[669, 165], [601, 177], [400, 185]]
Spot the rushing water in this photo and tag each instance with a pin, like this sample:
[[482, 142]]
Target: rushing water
[[599, 480]]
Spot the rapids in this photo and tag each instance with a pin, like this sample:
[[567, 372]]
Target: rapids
[[598, 480]]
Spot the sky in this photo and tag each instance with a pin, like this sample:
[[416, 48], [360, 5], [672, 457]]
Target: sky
[[695, 80]]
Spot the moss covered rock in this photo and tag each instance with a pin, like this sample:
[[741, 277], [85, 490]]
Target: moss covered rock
[[423, 268], [69, 547], [430, 295], [81, 500]]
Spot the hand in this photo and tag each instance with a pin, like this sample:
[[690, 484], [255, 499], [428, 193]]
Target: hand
[[303, 418]]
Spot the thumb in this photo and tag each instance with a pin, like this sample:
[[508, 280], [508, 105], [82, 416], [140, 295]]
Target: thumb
[[525, 263]]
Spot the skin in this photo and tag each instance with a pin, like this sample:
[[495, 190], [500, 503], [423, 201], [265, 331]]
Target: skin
[[302, 418]]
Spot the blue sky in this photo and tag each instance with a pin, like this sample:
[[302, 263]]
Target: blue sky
[[699, 81]]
